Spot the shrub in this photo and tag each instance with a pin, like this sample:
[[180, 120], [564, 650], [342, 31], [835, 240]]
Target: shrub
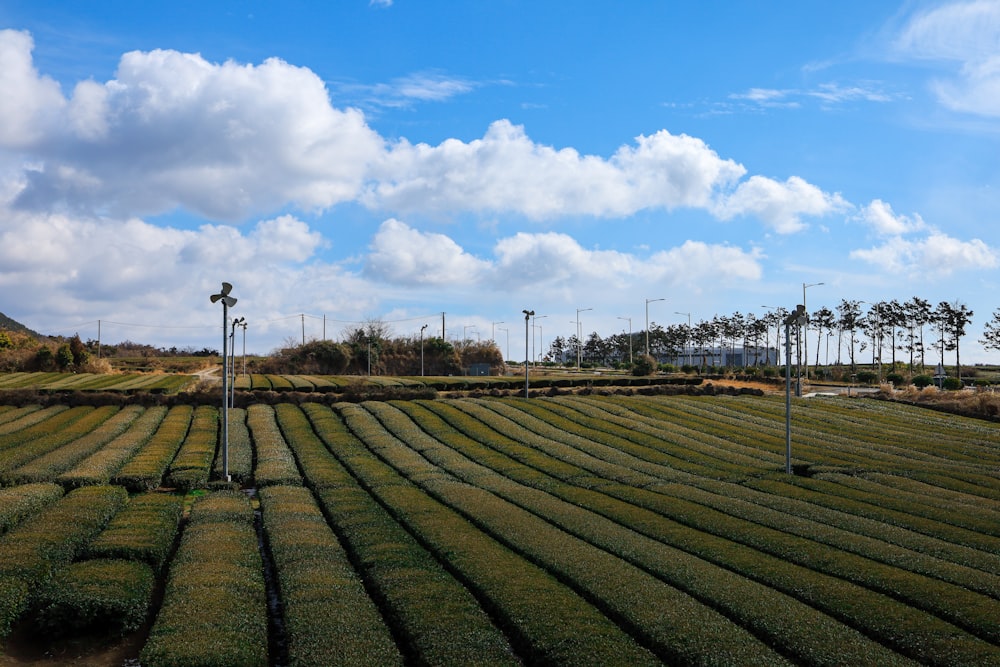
[[866, 377], [214, 608], [952, 384], [644, 365], [896, 379], [921, 381], [143, 531], [96, 595]]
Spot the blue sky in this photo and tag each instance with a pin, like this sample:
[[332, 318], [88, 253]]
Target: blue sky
[[396, 160]]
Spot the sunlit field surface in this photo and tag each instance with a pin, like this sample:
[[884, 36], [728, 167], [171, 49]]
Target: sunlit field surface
[[568, 530]]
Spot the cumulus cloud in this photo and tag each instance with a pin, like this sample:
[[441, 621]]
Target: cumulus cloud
[[174, 130], [406, 256], [938, 254], [779, 205], [964, 33], [553, 260], [231, 141], [881, 218], [29, 104], [507, 171]]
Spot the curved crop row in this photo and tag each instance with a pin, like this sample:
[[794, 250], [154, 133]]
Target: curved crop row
[[676, 626], [214, 608], [275, 462], [144, 530], [794, 628], [321, 629], [523, 595], [437, 620], [43, 459], [190, 468], [145, 469], [19, 502], [689, 527], [19, 447], [103, 463], [47, 541]]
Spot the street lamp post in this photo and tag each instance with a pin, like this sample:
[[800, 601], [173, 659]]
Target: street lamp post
[[244, 325], [506, 331], [422, 350], [227, 301], [798, 318], [629, 338], [649, 301], [533, 318], [232, 360], [579, 336], [527, 314], [805, 340], [493, 331], [688, 334]]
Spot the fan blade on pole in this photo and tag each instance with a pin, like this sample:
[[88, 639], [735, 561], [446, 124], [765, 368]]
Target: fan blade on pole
[[229, 301], [226, 289]]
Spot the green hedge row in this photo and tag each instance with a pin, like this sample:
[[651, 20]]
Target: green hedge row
[[794, 628], [145, 469], [103, 463], [437, 619], [19, 447], [47, 541], [214, 611], [731, 543], [13, 419], [47, 466], [143, 531], [190, 468], [328, 617], [96, 596], [20, 502], [275, 463], [677, 627], [522, 596]]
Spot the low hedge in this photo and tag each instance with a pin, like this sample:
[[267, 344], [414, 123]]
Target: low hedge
[[214, 610], [143, 531], [20, 502], [102, 595], [145, 469]]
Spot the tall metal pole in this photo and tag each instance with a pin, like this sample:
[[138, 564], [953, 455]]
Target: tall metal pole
[[788, 399], [688, 334], [527, 314], [422, 350], [579, 336], [805, 342], [648, 301], [225, 395], [629, 338]]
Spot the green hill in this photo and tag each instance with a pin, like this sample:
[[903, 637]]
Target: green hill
[[13, 325]]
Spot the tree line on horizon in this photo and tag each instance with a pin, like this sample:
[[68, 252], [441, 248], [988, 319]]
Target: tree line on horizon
[[913, 328]]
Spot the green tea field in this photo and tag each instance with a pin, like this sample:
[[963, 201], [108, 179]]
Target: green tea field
[[568, 530]]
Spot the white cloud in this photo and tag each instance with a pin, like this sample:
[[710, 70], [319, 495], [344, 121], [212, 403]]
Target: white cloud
[[229, 141], [881, 218], [507, 171], [936, 255], [29, 104], [174, 130], [557, 260], [967, 33], [779, 205], [406, 256]]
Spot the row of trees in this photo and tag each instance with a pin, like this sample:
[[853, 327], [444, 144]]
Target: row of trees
[[887, 328], [372, 349]]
